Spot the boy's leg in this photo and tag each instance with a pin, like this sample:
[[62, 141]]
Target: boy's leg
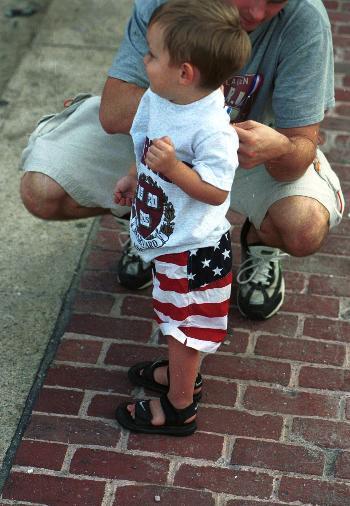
[[199, 329], [183, 369]]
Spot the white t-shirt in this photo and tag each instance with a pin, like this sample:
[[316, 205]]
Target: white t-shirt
[[164, 219]]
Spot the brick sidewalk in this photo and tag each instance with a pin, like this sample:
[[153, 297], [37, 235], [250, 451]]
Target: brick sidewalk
[[274, 423]]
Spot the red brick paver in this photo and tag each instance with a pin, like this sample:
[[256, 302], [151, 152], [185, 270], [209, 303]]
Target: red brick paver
[[274, 423]]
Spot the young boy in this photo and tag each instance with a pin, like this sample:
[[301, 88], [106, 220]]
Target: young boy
[[186, 156]]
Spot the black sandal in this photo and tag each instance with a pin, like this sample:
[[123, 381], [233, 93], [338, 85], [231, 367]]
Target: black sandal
[[146, 378], [174, 418]]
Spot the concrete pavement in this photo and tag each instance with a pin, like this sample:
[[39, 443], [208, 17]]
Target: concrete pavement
[[72, 49]]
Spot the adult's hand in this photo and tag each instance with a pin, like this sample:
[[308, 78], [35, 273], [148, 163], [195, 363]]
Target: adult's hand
[[119, 103], [259, 143], [286, 153]]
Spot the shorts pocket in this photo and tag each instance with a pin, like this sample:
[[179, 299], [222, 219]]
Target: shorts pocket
[[325, 172], [49, 122], [209, 264]]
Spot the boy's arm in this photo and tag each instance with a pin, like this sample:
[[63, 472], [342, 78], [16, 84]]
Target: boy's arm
[[161, 157]]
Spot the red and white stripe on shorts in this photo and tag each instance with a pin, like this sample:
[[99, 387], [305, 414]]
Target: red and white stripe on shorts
[[197, 318]]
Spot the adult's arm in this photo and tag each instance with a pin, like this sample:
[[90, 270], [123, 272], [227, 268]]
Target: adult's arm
[[303, 88], [286, 152], [127, 79], [119, 103]]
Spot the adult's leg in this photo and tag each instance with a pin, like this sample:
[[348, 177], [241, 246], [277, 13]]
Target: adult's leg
[[282, 217], [71, 165], [297, 225], [46, 199]]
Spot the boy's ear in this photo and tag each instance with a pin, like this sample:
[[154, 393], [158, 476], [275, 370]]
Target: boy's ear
[[189, 74]]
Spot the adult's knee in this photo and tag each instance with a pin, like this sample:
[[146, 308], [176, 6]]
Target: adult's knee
[[308, 235], [41, 195]]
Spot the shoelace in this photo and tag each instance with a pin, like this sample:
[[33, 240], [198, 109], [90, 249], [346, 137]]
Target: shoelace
[[124, 237], [260, 266]]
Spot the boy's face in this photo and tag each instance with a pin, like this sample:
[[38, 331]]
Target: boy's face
[[254, 12], [162, 76]]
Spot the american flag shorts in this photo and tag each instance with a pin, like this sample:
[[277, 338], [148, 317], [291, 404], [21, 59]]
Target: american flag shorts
[[191, 294]]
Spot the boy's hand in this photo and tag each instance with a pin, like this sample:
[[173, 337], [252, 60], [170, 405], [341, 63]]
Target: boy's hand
[[124, 190], [161, 156]]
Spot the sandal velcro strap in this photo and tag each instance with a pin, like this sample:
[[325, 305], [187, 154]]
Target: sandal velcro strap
[[142, 374], [176, 416], [148, 370], [175, 419], [142, 412]]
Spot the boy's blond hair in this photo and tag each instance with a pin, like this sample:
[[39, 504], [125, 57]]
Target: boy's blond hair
[[205, 33]]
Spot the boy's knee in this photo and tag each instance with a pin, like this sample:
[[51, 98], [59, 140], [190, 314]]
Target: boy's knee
[[41, 195]]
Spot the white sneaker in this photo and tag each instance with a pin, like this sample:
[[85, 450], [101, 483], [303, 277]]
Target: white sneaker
[[260, 280]]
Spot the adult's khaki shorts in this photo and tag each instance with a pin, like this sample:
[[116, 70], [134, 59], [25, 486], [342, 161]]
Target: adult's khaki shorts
[[72, 148]]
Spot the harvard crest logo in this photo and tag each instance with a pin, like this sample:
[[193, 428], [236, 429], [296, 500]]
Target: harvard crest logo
[[152, 215]]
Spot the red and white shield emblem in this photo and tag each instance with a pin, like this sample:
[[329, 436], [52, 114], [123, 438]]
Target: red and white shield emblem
[[148, 205]]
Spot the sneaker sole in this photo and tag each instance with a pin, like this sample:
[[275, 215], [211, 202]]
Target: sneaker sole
[[273, 312], [145, 285]]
